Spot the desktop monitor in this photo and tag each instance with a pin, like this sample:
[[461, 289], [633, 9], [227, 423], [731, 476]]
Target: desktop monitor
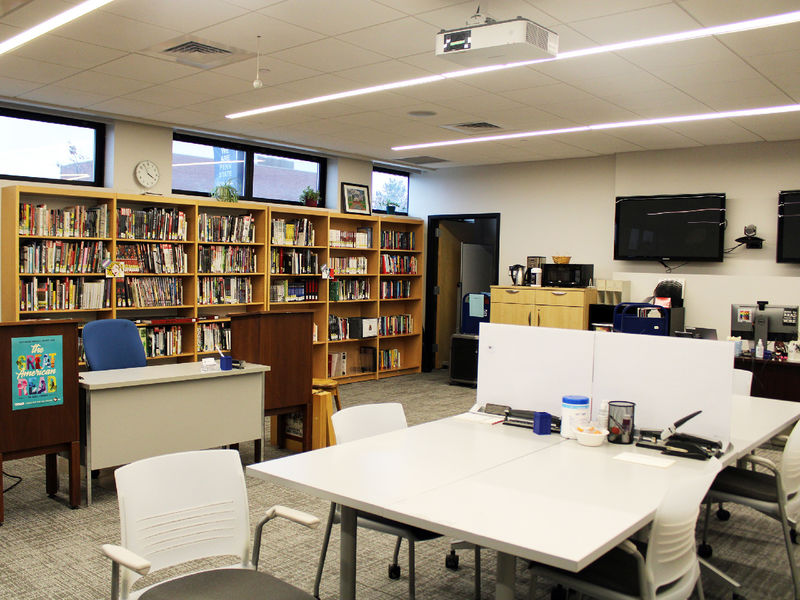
[[764, 321]]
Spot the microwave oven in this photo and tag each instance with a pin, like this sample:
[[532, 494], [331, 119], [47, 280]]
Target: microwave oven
[[568, 275]]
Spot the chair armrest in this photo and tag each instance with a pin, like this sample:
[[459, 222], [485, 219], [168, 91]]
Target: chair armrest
[[126, 558], [761, 461], [291, 514]]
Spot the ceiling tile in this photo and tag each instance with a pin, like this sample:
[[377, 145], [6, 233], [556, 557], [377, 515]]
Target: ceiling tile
[[211, 83], [167, 96], [708, 133], [33, 13], [510, 80], [10, 87], [765, 41], [569, 12], [653, 138], [602, 143], [455, 16], [659, 103], [66, 96], [773, 127], [329, 55], [399, 38], [112, 31], [690, 52], [271, 71], [713, 12], [183, 15], [123, 106], [577, 69], [70, 53], [242, 32], [146, 68], [32, 70], [548, 94], [590, 112], [102, 83], [636, 24], [382, 72], [323, 17]]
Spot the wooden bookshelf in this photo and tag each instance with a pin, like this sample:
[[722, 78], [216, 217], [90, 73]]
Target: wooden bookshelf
[[211, 269]]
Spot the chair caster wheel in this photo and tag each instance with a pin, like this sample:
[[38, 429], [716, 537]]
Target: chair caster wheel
[[558, 593], [451, 561], [394, 571], [704, 551], [793, 535], [723, 515]]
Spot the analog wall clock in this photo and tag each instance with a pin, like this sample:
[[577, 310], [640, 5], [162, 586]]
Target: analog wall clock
[[146, 173]]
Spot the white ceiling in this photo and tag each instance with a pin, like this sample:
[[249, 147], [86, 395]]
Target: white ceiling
[[101, 65]]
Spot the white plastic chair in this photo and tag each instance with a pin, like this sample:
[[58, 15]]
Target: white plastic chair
[[742, 381], [775, 494], [671, 558], [185, 506], [354, 423]]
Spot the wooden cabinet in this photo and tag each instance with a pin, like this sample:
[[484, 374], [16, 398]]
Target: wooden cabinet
[[191, 263], [565, 308]]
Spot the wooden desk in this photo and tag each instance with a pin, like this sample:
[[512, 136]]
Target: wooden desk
[[772, 378], [141, 412], [450, 476], [49, 428]]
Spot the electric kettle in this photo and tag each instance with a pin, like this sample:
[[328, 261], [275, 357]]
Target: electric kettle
[[517, 273]]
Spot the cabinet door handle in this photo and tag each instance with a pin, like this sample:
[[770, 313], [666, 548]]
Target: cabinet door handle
[[538, 318], [512, 291], [529, 318], [559, 293]]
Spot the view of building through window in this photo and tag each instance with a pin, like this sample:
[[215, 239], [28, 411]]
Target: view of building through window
[[45, 150], [390, 189], [282, 178], [200, 167]]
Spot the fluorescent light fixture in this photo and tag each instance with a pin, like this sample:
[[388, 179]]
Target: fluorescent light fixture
[[771, 21], [730, 114], [52, 23]]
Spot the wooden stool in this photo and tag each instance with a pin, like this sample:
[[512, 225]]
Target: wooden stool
[[328, 385]]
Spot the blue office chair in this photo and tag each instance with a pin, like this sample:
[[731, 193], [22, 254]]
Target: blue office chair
[[112, 344]]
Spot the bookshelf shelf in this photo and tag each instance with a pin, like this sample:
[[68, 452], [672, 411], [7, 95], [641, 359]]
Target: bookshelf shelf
[[251, 232]]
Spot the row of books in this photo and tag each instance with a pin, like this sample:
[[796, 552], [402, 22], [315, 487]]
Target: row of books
[[338, 363], [361, 238], [213, 336], [395, 324], [224, 290], [74, 221], [348, 289], [227, 259], [153, 258], [56, 256], [294, 290], [152, 223], [45, 293], [398, 240], [404, 265], [395, 289], [146, 292], [234, 229], [161, 340], [293, 232], [294, 262], [348, 265], [389, 359]]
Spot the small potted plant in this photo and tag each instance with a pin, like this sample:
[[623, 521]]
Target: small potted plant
[[391, 207], [310, 196], [226, 192]]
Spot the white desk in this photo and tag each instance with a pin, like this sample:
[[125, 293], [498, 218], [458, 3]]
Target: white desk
[[146, 411], [540, 498]]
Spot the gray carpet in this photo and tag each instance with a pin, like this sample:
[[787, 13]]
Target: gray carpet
[[48, 551]]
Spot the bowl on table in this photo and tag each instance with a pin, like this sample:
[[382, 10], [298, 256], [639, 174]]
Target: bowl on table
[[590, 436]]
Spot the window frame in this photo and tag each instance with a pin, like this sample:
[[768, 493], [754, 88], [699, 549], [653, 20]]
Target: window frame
[[99, 146], [405, 174], [250, 151]]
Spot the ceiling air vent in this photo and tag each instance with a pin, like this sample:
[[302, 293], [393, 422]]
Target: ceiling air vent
[[473, 128], [423, 160], [196, 52]]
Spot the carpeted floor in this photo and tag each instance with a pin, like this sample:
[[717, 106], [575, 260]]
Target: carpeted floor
[[48, 551]]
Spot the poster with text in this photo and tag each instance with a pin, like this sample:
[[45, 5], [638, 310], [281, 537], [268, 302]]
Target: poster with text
[[36, 363]]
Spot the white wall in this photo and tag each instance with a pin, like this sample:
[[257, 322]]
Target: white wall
[[567, 207]]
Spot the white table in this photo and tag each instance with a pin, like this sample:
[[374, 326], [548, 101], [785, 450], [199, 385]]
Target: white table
[[147, 411], [539, 498]]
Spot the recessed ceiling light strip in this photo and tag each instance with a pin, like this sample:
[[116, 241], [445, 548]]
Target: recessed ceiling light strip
[[730, 114], [771, 21], [54, 22]]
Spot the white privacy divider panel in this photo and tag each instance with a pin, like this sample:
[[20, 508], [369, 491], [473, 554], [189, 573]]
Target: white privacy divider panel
[[533, 367], [668, 378]]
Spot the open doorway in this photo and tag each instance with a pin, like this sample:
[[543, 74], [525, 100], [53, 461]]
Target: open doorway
[[463, 253]]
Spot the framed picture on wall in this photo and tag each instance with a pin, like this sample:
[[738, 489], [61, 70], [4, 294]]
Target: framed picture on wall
[[355, 199]]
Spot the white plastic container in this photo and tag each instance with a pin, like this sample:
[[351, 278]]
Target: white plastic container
[[574, 412], [760, 349], [601, 421]]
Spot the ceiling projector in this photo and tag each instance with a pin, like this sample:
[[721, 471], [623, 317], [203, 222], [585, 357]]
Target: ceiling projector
[[497, 42]]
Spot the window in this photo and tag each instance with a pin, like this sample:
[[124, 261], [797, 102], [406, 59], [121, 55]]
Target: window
[[37, 147], [389, 188], [200, 164], [197, 167]]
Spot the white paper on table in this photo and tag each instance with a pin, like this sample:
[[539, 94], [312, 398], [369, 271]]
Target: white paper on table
[[644, 459]]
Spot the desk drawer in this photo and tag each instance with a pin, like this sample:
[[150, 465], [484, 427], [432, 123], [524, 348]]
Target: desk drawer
[[514, 295], [559, 297]]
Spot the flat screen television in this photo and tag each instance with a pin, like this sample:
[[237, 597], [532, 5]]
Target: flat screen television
[[686, 227], [789, 227]]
